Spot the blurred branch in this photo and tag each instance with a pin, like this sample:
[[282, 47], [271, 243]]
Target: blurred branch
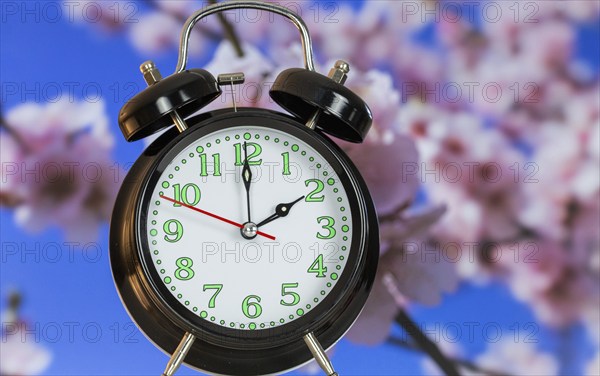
[[208, 33], [425, 344], [14, 301], [228, 29], [230, 33], [394, 214], [14, 134], [458, 362]]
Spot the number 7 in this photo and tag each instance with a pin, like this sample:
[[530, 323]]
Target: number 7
[[211, 302]]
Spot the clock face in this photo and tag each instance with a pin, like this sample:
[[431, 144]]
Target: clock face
[[248, 267]]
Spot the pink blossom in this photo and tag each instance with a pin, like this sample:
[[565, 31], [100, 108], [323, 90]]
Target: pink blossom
[[569, 178], [405, 275], [575, 10], [591, 318], [593, 367], [159, 31], [74, 181], [108, 16], [554, 284], [155, 32], [468, 168], [264, 28], [20, 356], [377, 89], [181, 8], [452, 350], [517, 358], [390, 188], [548, 44], [375, 321]]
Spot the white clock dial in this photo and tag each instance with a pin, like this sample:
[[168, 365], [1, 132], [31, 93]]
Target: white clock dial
[[198, 249]]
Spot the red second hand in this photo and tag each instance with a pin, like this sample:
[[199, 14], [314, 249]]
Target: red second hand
[[238, 225]]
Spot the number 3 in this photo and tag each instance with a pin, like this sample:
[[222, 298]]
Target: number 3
[[328, 226]]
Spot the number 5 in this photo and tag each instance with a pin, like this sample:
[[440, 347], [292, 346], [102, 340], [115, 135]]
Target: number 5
[[294, 295]]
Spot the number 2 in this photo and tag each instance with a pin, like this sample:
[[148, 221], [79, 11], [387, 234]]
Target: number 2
[[311, 196]]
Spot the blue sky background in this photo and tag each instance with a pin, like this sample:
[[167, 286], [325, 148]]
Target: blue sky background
[[76, 289]]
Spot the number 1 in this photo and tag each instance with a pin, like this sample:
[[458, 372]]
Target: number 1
[[286, 163]]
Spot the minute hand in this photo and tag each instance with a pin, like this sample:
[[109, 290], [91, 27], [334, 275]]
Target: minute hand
[[281, 210], [247, 179]]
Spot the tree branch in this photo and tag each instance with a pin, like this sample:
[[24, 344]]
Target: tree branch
[[14, 134], [228, 29], [230, 33], [425, 344], [458, 362], [208, 33]]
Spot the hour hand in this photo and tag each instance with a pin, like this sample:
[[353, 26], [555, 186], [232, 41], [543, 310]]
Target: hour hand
[[281, 210]]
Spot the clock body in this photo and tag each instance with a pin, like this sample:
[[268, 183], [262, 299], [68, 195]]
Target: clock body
[[248, 301]]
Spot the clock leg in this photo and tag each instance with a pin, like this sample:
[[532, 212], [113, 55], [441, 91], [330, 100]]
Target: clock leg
[[319, 354], [180, 352]]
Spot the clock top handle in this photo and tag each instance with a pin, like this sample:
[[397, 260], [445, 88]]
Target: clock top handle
[[230, 5]]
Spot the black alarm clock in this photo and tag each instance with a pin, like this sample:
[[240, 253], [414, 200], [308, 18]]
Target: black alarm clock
[[244, 241]]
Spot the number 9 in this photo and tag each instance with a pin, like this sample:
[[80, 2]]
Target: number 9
[[176, 233]]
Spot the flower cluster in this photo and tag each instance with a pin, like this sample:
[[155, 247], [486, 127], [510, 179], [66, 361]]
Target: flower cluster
[[56, 167], [20, 355]]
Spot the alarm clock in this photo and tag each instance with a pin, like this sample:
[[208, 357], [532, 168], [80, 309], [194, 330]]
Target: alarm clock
[[244, 241]]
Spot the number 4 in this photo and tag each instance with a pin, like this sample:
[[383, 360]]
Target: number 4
[[211, 302], [318, 267]]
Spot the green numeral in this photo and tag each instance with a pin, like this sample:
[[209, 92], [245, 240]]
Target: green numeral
[[239, 152], [216, 165], [286, 163], [311, 196], [328, 227], [184, 270], [248, 306], [284, 293], [318, 267], [211, 302], [177, 232], [183, 195]]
